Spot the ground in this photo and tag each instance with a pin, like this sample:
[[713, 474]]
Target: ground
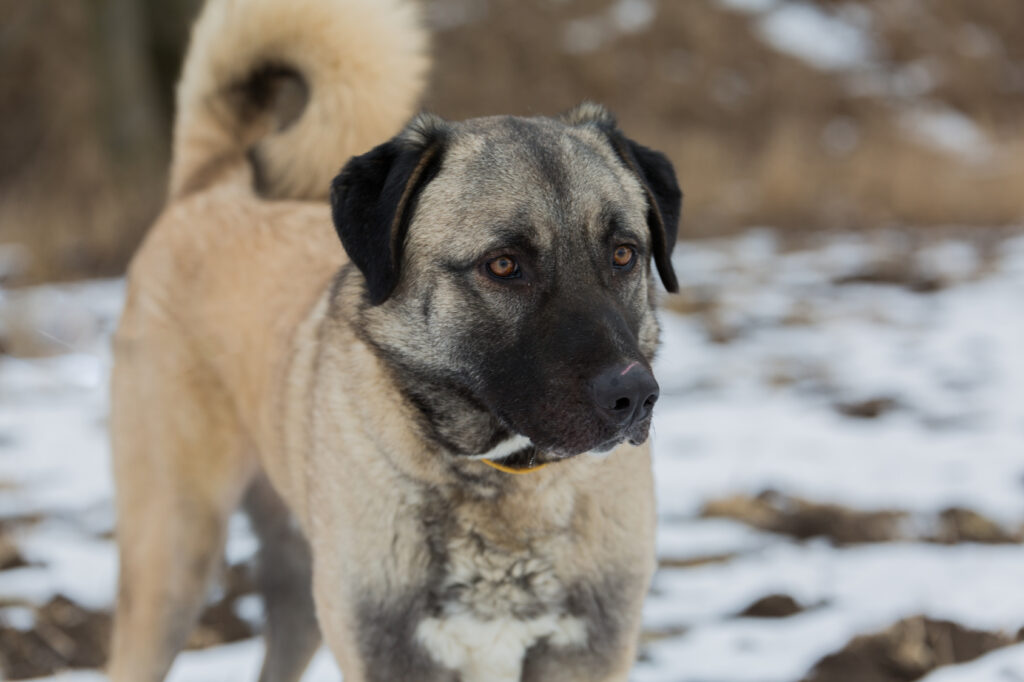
[[838, 453]]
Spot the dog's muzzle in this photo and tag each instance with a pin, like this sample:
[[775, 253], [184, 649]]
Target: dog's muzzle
[[624, 395]]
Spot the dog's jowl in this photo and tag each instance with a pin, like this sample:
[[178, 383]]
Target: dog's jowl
[[438, 424]]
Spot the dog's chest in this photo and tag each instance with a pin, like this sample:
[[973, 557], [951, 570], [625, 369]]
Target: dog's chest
[[494, 603]]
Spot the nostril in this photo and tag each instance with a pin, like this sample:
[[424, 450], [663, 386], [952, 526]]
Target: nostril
[[624, 396], [648, 406]]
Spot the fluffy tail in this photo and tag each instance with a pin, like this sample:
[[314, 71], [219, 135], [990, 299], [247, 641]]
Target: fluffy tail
[[297, 86]]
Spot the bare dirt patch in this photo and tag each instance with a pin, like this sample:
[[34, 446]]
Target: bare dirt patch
[[907, 651], [10, 557], [64, 635], [773, 606], [870, 408], [803, 520]]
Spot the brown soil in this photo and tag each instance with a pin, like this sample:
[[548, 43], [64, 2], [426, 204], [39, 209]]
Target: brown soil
[[871, 408], [907, 651], [772, 606], [66, 635], [957, 525], [10, 557], [690, 562], [803, 519]]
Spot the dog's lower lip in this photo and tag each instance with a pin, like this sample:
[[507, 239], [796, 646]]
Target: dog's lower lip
[[607, 445], [639, 439]]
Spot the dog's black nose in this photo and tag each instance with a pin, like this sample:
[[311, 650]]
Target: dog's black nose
[[625, 393]]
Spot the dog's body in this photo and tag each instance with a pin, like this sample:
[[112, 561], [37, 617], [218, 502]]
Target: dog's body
[[361, 395]]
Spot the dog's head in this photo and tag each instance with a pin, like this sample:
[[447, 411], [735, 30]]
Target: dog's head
[[507, 265]]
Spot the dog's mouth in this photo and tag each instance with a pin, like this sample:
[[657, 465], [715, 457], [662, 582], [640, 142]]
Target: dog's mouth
[[525, 461], [532, 457], [598, 440]]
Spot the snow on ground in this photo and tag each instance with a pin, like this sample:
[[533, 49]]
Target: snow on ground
[[839, 38], [776, 350], [836, 40]]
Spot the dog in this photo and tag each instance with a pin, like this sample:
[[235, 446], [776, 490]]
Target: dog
[[438, 426]]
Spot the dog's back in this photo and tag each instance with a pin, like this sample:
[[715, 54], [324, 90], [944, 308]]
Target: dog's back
[[275, 96]]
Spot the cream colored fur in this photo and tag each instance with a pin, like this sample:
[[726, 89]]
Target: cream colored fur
[[363, 62], [235, 359], [219, 286]]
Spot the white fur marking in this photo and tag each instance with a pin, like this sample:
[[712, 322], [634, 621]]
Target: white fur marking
[[506, 447], [493, 650]]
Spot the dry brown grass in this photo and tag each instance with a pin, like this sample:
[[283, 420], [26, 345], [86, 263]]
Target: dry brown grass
[[85, 94], [82, 149], [746, 125]]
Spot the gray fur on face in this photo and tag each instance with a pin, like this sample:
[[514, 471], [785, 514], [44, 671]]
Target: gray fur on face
[[557, 196]]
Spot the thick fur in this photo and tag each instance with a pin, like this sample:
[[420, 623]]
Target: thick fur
[[356, 65], [348, 398]]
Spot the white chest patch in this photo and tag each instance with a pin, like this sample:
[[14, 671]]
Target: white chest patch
[[493, 650], [498, 602]]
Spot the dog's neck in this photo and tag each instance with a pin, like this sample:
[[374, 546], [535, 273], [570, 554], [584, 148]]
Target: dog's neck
[[456, 421]]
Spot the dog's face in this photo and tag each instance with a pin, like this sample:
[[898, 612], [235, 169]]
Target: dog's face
[[508, 275]]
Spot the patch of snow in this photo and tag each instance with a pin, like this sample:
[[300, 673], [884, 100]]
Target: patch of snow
[[947, 130], [631, 16], [250, 609], [587, 34], [690, 539], [849, 592], [63, 561], [56, 460], [949, 260], [444, 15], [825, 41], [18, 617], [947, 358], [755, 412], [584, 35], [751, 6]]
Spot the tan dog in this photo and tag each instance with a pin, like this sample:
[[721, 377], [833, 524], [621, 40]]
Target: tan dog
[[496, 307]]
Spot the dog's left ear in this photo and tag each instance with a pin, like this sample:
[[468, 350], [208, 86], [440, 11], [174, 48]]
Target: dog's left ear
[[657, 177], [374, 197]]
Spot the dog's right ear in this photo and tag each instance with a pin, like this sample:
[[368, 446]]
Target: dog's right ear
[[657, 177], [374, 197]]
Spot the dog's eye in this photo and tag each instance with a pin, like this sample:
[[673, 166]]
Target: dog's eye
[[623, 256], [503, 267]]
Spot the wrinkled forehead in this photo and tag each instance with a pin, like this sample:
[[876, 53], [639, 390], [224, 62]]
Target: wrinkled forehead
[[540, 178]]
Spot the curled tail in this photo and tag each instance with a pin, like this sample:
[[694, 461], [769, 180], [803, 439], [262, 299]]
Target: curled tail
[[297, 86]]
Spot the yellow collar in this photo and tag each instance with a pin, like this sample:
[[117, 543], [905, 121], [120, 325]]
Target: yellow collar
[[510, 470]]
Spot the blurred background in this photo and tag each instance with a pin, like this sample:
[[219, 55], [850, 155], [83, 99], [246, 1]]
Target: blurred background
[[840, 438], [801, 115]]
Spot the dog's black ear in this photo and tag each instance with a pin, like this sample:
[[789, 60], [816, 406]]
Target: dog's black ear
[[664, 198], [656, 175], [374, 197]]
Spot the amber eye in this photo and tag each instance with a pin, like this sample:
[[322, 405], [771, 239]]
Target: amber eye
[[623, 256], [503, 267]]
